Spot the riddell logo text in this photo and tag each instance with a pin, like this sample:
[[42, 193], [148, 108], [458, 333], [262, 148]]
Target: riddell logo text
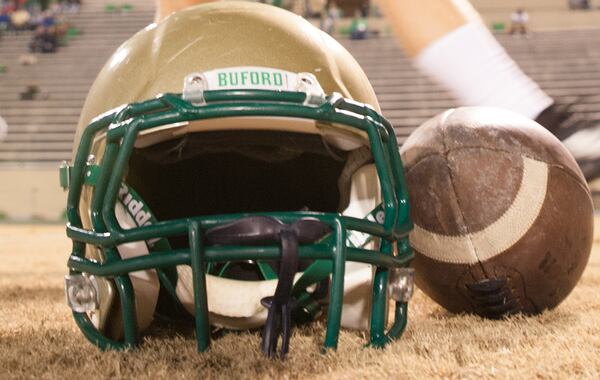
[[137, 209]]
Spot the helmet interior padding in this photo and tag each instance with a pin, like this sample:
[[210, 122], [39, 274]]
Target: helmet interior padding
[[222, 172]]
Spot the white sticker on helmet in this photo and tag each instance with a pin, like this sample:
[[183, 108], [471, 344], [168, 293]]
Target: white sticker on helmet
[[261, 78]]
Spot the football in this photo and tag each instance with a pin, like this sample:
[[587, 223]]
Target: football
[[503, 215]]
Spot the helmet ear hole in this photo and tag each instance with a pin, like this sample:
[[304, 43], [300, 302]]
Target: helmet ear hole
[[113, 324], [108, 317]]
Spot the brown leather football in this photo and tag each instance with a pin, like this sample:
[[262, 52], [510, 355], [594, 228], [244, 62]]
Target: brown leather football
[[503, 215]]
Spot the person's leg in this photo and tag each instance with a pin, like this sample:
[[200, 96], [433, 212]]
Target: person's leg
[[448, 41]]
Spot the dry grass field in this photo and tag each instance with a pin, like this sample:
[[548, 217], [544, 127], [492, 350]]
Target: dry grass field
[[38, 338]]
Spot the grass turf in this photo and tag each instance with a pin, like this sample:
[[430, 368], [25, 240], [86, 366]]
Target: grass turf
[[38, 338]]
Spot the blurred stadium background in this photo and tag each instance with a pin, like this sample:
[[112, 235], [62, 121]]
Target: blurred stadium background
[[41, 94]]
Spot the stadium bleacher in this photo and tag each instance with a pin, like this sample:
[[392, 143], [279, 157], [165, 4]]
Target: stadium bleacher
[[41, 130], [545, 14], [565, 63]]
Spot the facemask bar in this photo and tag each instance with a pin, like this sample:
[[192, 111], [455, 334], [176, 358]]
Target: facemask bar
[[122, 127]]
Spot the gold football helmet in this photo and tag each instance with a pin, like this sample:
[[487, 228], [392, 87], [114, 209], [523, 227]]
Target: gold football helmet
[[231, 164]]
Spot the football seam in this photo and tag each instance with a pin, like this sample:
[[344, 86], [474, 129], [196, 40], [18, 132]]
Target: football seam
[[446, 152], [455, 194]]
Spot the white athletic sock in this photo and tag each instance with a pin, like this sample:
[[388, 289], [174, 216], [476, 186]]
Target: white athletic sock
[[472, 65]]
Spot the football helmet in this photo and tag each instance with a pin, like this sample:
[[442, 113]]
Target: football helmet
[[231, 164]]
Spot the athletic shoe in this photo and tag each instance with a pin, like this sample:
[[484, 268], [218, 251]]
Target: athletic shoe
[[579, 134]]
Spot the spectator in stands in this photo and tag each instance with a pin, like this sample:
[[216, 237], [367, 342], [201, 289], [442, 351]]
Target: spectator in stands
[[329, 17], [4, 19], [7, 8], [47, 19], [30, 93], [73, 6], [44, 40], [364, 7], [28, 15], [518, 22], [359, 28], [44, 4], [55, 28], [62, 31], [20, 18]]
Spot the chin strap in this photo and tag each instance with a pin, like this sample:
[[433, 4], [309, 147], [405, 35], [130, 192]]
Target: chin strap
[[260, 230], [280, 305]]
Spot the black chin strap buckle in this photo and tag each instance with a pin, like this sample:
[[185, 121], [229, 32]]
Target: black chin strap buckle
[[257, 230]]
